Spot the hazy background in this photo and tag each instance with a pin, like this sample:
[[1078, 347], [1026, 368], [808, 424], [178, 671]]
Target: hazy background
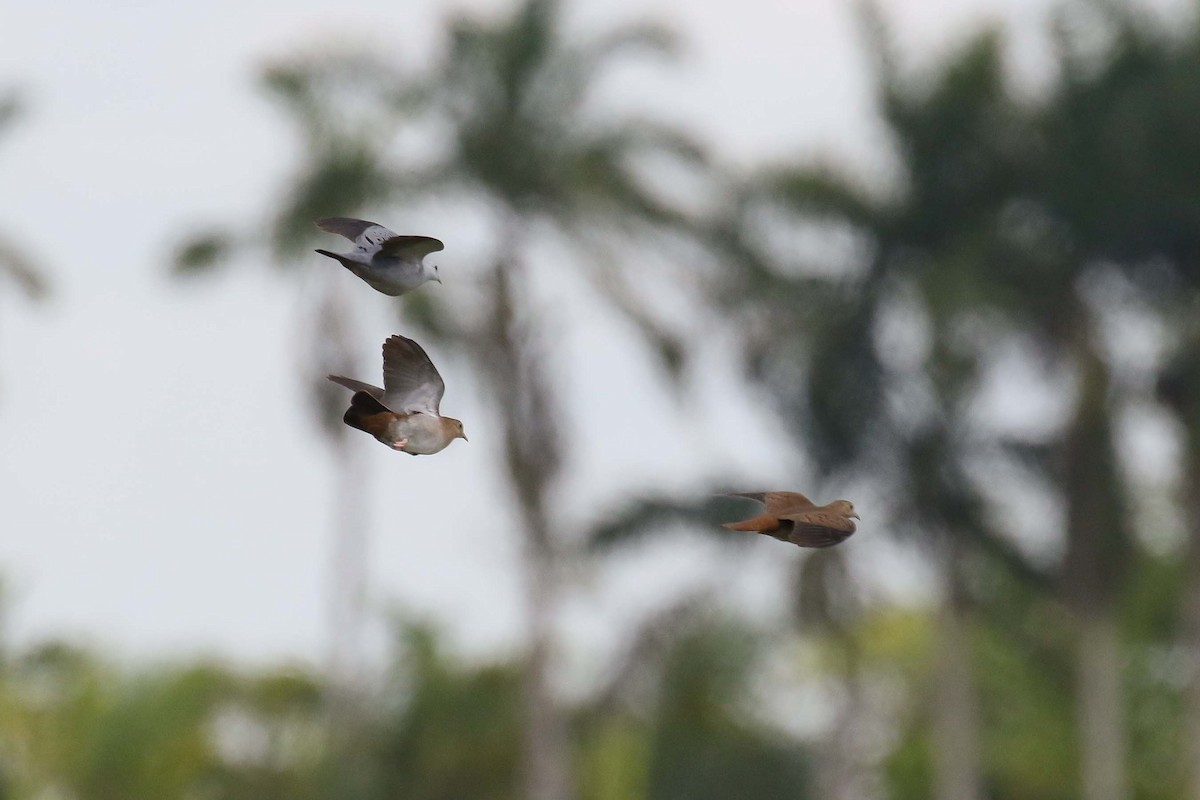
[[952, 277], [144, 522]]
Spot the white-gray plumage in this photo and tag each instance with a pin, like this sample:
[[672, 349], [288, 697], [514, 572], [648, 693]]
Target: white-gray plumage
[[388, 262]]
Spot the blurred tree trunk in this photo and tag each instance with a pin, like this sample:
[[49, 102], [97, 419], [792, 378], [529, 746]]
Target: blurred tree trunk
[[1179, 390], [547, 751], [956, 723], [331, 350], [348, 573], [521, 387], [1098, 551], [826, 601], [840, 771], [848, 766], [1190, 633], [1101, 708]]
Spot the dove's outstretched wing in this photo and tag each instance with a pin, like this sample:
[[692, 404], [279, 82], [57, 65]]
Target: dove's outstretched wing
[[777, 502], [410, 381], [366, 235], [818, 528], [410, 247]]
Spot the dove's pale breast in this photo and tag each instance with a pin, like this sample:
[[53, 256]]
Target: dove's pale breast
[[424, 433], [390, 275]]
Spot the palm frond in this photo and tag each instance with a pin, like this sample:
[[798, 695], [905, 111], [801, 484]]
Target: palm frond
[[644, 38], [203, 252], [10, 108], [819, 191], [646, 517], [22, 271], [339, 179]]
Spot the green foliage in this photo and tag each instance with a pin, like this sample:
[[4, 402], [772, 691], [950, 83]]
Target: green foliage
[[457, 733], [704, 747], [685, 724], [439, 727], [615, 760], [202, 253]]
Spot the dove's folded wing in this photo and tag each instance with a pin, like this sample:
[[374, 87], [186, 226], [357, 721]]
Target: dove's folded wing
[[819, 528], [763, 523], [777, 502], [410, 247], [357, 386], [410, 381]]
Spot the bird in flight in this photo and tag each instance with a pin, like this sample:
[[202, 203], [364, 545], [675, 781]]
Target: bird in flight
[[389, 263], [792, 517], [404, 413]]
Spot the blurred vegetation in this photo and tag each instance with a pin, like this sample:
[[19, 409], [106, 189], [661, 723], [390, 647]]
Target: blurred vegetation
[[74, 725], [710, 711], [1025, 233]]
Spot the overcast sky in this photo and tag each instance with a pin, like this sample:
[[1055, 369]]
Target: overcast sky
[[147, 502]]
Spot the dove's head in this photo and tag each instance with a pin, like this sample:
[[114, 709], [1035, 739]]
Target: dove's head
[[433, 273], [843, 508], [455, 428]]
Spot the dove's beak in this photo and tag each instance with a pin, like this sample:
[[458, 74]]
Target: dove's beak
[[463, 436], [855, 516]]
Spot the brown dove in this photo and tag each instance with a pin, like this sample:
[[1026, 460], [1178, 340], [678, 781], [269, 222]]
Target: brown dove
[[404, 413], [792, 517]]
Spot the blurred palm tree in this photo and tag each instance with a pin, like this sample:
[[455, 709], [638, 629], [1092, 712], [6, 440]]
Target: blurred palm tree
[[880, 330], [1179, 389], [327, 343], [518, 140], [1019, 222], [869, 347], [1125, 130], [1117, 217], [1016, 225]]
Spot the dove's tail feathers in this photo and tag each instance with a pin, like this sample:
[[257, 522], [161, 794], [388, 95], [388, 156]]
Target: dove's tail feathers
[[356, 386], [345, 262], [764, 523], [365, 403]]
